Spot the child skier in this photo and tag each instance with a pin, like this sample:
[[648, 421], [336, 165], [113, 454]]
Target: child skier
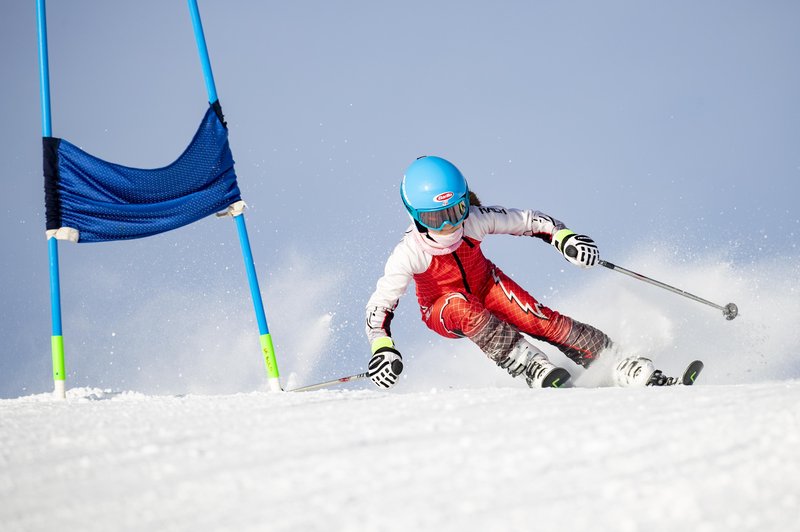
[[463, 294]]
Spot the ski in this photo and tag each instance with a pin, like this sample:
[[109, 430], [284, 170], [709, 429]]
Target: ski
[[686, 379], [691, 373]]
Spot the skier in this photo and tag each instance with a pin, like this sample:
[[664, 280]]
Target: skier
[[463, 294]]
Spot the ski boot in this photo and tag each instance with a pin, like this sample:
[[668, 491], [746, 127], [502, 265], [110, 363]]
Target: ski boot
[[527, 360], [634, 372]]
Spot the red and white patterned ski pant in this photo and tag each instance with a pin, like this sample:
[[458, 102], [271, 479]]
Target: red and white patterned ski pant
[[459, 314]]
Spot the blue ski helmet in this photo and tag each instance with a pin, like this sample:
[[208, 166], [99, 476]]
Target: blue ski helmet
[[435, 193]]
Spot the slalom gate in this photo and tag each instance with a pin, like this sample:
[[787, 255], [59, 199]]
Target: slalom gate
[[91, 200]]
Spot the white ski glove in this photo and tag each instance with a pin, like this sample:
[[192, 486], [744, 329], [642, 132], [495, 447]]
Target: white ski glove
[[386, 365], [577, 249]]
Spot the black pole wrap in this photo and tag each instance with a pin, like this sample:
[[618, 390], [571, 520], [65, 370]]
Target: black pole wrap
[[218, 110], [52, 200]]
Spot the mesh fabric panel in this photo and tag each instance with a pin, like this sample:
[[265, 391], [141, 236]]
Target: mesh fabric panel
[[107, 201]]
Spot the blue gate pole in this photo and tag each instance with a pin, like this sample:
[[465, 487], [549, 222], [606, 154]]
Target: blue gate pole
[[267, 349], [200, 37], [56, 338]]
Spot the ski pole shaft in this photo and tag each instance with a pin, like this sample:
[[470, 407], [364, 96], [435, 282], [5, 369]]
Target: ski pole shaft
[[730, 310], [330, 383]]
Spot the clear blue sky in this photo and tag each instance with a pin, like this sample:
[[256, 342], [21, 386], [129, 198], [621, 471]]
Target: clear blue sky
[[636, 122]]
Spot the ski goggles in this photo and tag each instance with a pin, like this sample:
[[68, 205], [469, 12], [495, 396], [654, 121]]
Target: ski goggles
[[436, 219]]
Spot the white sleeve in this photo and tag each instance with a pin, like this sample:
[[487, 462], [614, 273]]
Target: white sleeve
[[405, 261], [494, 220]]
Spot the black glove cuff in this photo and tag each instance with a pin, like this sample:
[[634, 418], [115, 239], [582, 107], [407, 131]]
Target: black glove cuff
[[389, 349]]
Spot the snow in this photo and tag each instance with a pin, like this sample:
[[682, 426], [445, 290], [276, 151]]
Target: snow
[[703, 458]]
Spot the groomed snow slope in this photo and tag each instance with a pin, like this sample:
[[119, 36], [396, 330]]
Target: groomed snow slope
[[704, 458]]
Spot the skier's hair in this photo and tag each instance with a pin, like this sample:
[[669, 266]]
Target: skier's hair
[[474, 201]]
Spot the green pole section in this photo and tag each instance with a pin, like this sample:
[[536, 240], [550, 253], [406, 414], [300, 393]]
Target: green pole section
[[269, 356], [57, 343]]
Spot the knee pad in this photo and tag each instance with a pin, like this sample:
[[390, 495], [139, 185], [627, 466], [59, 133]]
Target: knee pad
[[462, 317]]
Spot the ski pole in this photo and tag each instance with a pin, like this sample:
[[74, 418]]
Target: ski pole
[[330, 383], [730, 310]]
